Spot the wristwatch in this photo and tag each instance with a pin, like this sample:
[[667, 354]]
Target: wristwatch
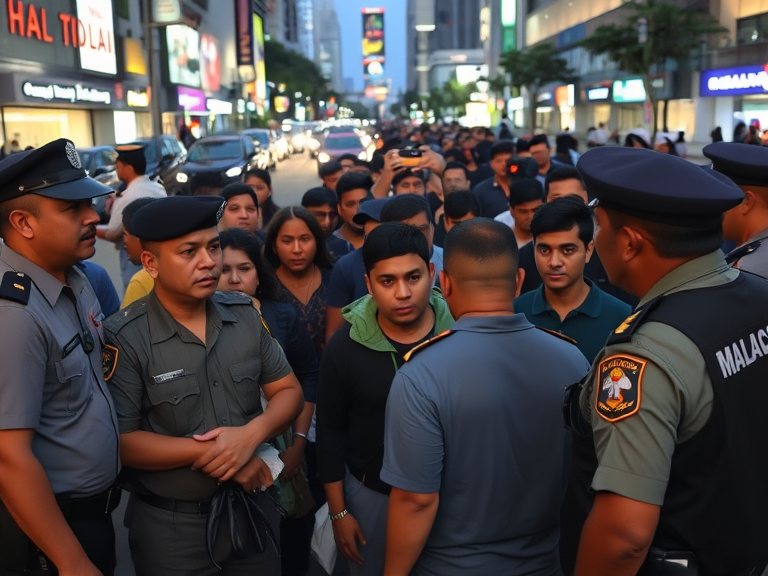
[[338, 516]]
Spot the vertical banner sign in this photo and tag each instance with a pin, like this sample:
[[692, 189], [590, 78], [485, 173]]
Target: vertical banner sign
[[373, 46], [258, 61], [244, 29], [96, 35]]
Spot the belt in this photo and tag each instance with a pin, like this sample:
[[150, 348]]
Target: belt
[[201, 508], [90, 507], [372, 481]]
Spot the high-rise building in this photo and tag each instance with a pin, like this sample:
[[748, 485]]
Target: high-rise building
[[282, 23], [306, 22], [328, 43]]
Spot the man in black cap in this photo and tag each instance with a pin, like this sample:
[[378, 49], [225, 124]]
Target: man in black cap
[[747, 223], [58, 430], [676, 398], [186, 368], [130, 166]]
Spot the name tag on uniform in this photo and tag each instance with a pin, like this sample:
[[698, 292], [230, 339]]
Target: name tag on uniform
[[160, 378]]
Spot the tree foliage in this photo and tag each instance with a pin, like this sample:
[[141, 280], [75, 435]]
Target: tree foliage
[[534, 68], [673, 33], [298, 73]]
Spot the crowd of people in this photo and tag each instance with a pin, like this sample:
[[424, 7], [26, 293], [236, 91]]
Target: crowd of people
[[391, 358]]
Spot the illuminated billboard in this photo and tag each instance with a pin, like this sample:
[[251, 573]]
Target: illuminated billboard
[[210, 63], [183, 55], [260, 95], [373, 42], [96, 26]]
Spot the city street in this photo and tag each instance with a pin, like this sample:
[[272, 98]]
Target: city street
[[293, 177]]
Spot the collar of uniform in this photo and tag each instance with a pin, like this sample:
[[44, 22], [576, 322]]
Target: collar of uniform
[[696, 269], [163, 326], [49, 286], [492, 324], [592, 305], [762, 235]]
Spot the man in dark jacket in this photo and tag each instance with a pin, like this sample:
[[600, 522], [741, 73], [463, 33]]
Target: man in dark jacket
[[356, 371]]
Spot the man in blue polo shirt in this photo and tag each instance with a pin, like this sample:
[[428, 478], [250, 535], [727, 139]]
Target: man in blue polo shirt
[[567, 301]]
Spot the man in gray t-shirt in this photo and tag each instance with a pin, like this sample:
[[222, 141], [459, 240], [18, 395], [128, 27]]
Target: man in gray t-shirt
[[474, 441]]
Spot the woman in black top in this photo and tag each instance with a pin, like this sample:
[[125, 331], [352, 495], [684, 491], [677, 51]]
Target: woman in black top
[[261, 183]]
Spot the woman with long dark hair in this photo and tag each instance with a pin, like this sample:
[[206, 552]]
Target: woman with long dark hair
[[244, 270], [261, 183], [295, 248]]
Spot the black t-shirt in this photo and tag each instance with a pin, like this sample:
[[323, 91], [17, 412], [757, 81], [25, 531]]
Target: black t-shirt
[[403, 349]]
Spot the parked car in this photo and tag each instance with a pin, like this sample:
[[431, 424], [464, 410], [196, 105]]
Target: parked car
[[215, 161], [338, 144], [99, 163], [266, 141], [164, 155]]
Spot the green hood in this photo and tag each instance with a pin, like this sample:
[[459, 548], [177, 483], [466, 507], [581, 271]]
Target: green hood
[[361, 314]]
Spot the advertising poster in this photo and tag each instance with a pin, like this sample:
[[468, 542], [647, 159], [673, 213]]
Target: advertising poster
[[96, 36], [210, 63], [258, 60], [373, 45], [183, 55]]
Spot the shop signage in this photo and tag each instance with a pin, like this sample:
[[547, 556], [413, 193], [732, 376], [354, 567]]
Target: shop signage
[[91, 32], [598, 93], [98, 54], [244, 30], [137, 98], [167, 11], [183, 55], [216, 106], [629, 90], [210, 63], [734, 81], [76, 93], [192, 100]]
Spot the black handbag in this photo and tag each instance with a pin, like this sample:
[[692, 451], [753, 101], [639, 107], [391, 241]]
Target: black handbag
[[237, 523]]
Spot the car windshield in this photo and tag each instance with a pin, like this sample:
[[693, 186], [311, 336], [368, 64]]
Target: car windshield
[[220, 150], [261, 137], [343, 142]]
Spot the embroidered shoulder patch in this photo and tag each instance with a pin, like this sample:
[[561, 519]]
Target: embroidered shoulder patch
[[109, 356], [619, 386], [426, 344]]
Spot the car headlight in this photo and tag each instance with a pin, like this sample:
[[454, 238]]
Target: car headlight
[[181, 178], [234, 171], [363, 155], [323, 157]]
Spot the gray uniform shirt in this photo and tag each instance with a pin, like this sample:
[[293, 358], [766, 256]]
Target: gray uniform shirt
[[477, 417], [756, 261], [49, 384], [168, 382]]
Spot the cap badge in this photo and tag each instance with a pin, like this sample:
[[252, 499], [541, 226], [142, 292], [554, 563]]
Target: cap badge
[[72, 156], [220, 213]]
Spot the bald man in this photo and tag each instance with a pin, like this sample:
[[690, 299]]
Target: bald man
[[493, 423]]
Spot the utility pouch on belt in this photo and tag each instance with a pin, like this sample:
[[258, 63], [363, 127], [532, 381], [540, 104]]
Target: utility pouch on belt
[[669, 563], [17, 551]]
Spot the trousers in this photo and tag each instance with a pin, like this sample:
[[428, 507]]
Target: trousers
[[370, 510]]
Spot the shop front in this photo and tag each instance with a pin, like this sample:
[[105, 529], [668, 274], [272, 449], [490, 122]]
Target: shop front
[[739, 94]]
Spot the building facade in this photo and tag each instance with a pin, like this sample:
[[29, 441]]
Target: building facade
[[328, 43]]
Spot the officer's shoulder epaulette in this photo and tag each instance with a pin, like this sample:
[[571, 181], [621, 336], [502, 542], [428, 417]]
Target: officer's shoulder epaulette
[[231, 298], [125, 316], [558, 335], [626, 329], [16, 286], [416, 349]]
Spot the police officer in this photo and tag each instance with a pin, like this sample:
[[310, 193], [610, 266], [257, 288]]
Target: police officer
[[747, 223], [677, 397], [58, 430], [185, 366]]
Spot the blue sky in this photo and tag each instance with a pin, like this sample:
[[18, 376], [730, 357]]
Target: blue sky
[[351, 22]]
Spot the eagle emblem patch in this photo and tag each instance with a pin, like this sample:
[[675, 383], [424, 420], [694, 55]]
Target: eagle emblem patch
[[619, 387], [109, 356]]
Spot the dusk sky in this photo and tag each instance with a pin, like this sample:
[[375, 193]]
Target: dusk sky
[[351, 21]]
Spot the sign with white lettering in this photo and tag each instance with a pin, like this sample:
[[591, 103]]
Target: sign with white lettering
[[629, 90], [137, 98], [734, 81], [97, 27], [74, 94]]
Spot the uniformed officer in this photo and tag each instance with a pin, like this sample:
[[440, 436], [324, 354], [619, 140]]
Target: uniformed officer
[[58, 430], [747, 223], [473, 447], [186, 366], [677, 397]]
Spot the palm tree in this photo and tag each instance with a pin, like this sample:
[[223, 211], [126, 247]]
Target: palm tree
[[654, 33]]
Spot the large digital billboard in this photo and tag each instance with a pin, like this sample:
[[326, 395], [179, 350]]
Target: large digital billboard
[[373, 43], [210, 63], [260, 97], [183, 55]]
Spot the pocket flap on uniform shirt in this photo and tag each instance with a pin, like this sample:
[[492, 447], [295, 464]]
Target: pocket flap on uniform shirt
[[71, 366], [173, 391], [250, 370]]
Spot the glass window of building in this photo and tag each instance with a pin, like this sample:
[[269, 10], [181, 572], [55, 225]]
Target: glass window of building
[[38, 126]]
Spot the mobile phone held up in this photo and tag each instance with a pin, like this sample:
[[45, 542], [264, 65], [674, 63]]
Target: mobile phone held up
[[410, 157]]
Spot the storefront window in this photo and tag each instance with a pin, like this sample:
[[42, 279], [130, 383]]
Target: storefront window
[[752, 29], [38, 126], [630, 117], [602, 114], [681, 116]]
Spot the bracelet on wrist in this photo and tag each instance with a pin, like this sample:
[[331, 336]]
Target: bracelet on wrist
[[338, 516], [301, 435]]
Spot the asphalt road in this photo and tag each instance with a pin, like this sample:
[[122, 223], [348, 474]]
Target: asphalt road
[[293, 177]]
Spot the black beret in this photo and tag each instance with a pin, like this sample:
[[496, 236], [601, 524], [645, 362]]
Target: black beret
[[745, 164], [53, 170], [176, 216], [132, 155], [657, 187]]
